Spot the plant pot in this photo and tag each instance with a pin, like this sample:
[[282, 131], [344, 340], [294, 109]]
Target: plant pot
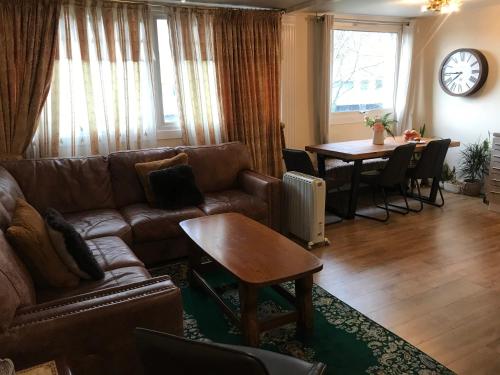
[[378, 137], [471, 188], [452, 187]]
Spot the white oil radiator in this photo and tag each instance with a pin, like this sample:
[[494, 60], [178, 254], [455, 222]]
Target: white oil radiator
[[305, 203]]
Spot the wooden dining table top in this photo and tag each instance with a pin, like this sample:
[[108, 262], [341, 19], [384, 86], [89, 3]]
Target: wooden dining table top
[[365, 149], [252, 252]]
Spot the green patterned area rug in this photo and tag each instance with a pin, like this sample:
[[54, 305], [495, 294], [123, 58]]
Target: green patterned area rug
[[345, 340]]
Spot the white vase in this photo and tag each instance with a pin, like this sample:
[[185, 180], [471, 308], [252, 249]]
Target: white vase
[[378, 137]]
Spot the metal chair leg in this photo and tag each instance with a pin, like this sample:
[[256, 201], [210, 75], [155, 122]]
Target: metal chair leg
[[407, 207], [386, 208], [426, 200]]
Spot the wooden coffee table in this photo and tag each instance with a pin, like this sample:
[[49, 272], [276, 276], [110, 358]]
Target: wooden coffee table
[[256, 256]]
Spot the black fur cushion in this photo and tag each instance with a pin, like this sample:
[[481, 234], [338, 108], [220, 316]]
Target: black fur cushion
[[75, 244], [175, 187]]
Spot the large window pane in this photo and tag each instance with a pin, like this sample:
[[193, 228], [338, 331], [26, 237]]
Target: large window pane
[[167, 72], [364, 66]]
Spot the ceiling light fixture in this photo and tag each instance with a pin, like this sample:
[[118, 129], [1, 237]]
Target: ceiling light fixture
[[443, 6]]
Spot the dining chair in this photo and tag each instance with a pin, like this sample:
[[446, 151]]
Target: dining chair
[[299, 161], [162, 353], [430, 165], [393, 175]]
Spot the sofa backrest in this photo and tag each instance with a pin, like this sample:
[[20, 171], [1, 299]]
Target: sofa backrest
[[127, 187], [216, 167], [68, 185], [9, 192], [16, 286]]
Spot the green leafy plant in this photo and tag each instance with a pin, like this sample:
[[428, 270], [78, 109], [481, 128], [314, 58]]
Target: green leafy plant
[[422, 131], [384, 122], [475, 160], [448, 174]]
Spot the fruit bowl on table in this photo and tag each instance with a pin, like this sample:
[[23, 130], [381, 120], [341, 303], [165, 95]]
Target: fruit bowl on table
[[412, 135]]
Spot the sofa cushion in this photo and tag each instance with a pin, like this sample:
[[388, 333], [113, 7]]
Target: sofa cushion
[[71, 247], [144, 169], [216, 167], [9, 192], [100, 223], [126, 185], [116, 277], [154, 224], [31, 241], [234, 201], [175, 188], [112, 253], [81, 183], [16, 286]]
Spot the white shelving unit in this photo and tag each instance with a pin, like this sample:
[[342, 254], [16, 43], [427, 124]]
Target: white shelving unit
[[494, 178]]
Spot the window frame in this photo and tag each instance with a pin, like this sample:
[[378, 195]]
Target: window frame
[[164, 130], [343, 118]]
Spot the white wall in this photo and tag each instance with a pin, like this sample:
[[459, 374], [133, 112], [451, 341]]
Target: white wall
[[463, 119]]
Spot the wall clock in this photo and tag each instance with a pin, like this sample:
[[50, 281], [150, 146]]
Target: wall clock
[[463, 72]]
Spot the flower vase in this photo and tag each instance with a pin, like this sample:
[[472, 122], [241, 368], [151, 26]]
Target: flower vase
[[378, 136]]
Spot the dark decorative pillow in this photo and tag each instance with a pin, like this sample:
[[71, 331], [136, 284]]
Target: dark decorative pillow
[[75, 245], [175, 187]]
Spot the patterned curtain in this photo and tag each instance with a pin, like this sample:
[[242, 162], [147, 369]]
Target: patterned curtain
[[28, 44], [101, 98], [247, 47], [191, 39]]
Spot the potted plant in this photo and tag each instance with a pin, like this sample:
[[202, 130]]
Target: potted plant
[[449, 178], [380, 125], [474, 164]]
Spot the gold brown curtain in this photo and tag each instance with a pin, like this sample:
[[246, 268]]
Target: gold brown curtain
[[191, 39], [28, 43], [247, 46], [102, 97]]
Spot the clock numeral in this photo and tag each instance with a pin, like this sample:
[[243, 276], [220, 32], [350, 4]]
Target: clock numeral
[[459, 88], [454, 59], [475, 71], [462, 56], [452, 88], [475, 63], [470, 56], [473, 79]]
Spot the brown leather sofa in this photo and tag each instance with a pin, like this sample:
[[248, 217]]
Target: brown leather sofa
[[91, 326]]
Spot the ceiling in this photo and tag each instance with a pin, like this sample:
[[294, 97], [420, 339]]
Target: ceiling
[[400, 8]]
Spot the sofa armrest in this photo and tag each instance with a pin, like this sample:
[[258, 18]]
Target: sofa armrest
[[266, 188], [94, 329]]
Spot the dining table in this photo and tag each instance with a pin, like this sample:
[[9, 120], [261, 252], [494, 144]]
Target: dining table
[[359, 150]]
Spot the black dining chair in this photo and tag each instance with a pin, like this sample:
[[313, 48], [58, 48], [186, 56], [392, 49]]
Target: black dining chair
[[430, 165], [299, 161], [162, 353], [393, 175]]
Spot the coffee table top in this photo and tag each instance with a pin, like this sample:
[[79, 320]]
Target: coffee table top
[[252, 252]]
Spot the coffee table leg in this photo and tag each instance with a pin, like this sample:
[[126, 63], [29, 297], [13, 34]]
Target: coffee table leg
[[303, 295], [248, 310], [194, 258]]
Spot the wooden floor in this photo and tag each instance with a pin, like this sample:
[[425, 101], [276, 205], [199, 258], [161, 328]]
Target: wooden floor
[[433, 278]]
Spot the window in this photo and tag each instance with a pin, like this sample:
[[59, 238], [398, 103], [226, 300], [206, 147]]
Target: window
[[166, 92], [365, 64], [167, 75], [187, 79]]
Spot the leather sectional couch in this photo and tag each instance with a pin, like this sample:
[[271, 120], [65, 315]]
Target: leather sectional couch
[[91, 326]]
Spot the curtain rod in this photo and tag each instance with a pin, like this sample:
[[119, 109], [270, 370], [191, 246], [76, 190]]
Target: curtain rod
[[371, 22], [190, 5]]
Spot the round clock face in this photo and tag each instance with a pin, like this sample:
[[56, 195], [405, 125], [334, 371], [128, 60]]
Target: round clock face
[[463, 72]]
